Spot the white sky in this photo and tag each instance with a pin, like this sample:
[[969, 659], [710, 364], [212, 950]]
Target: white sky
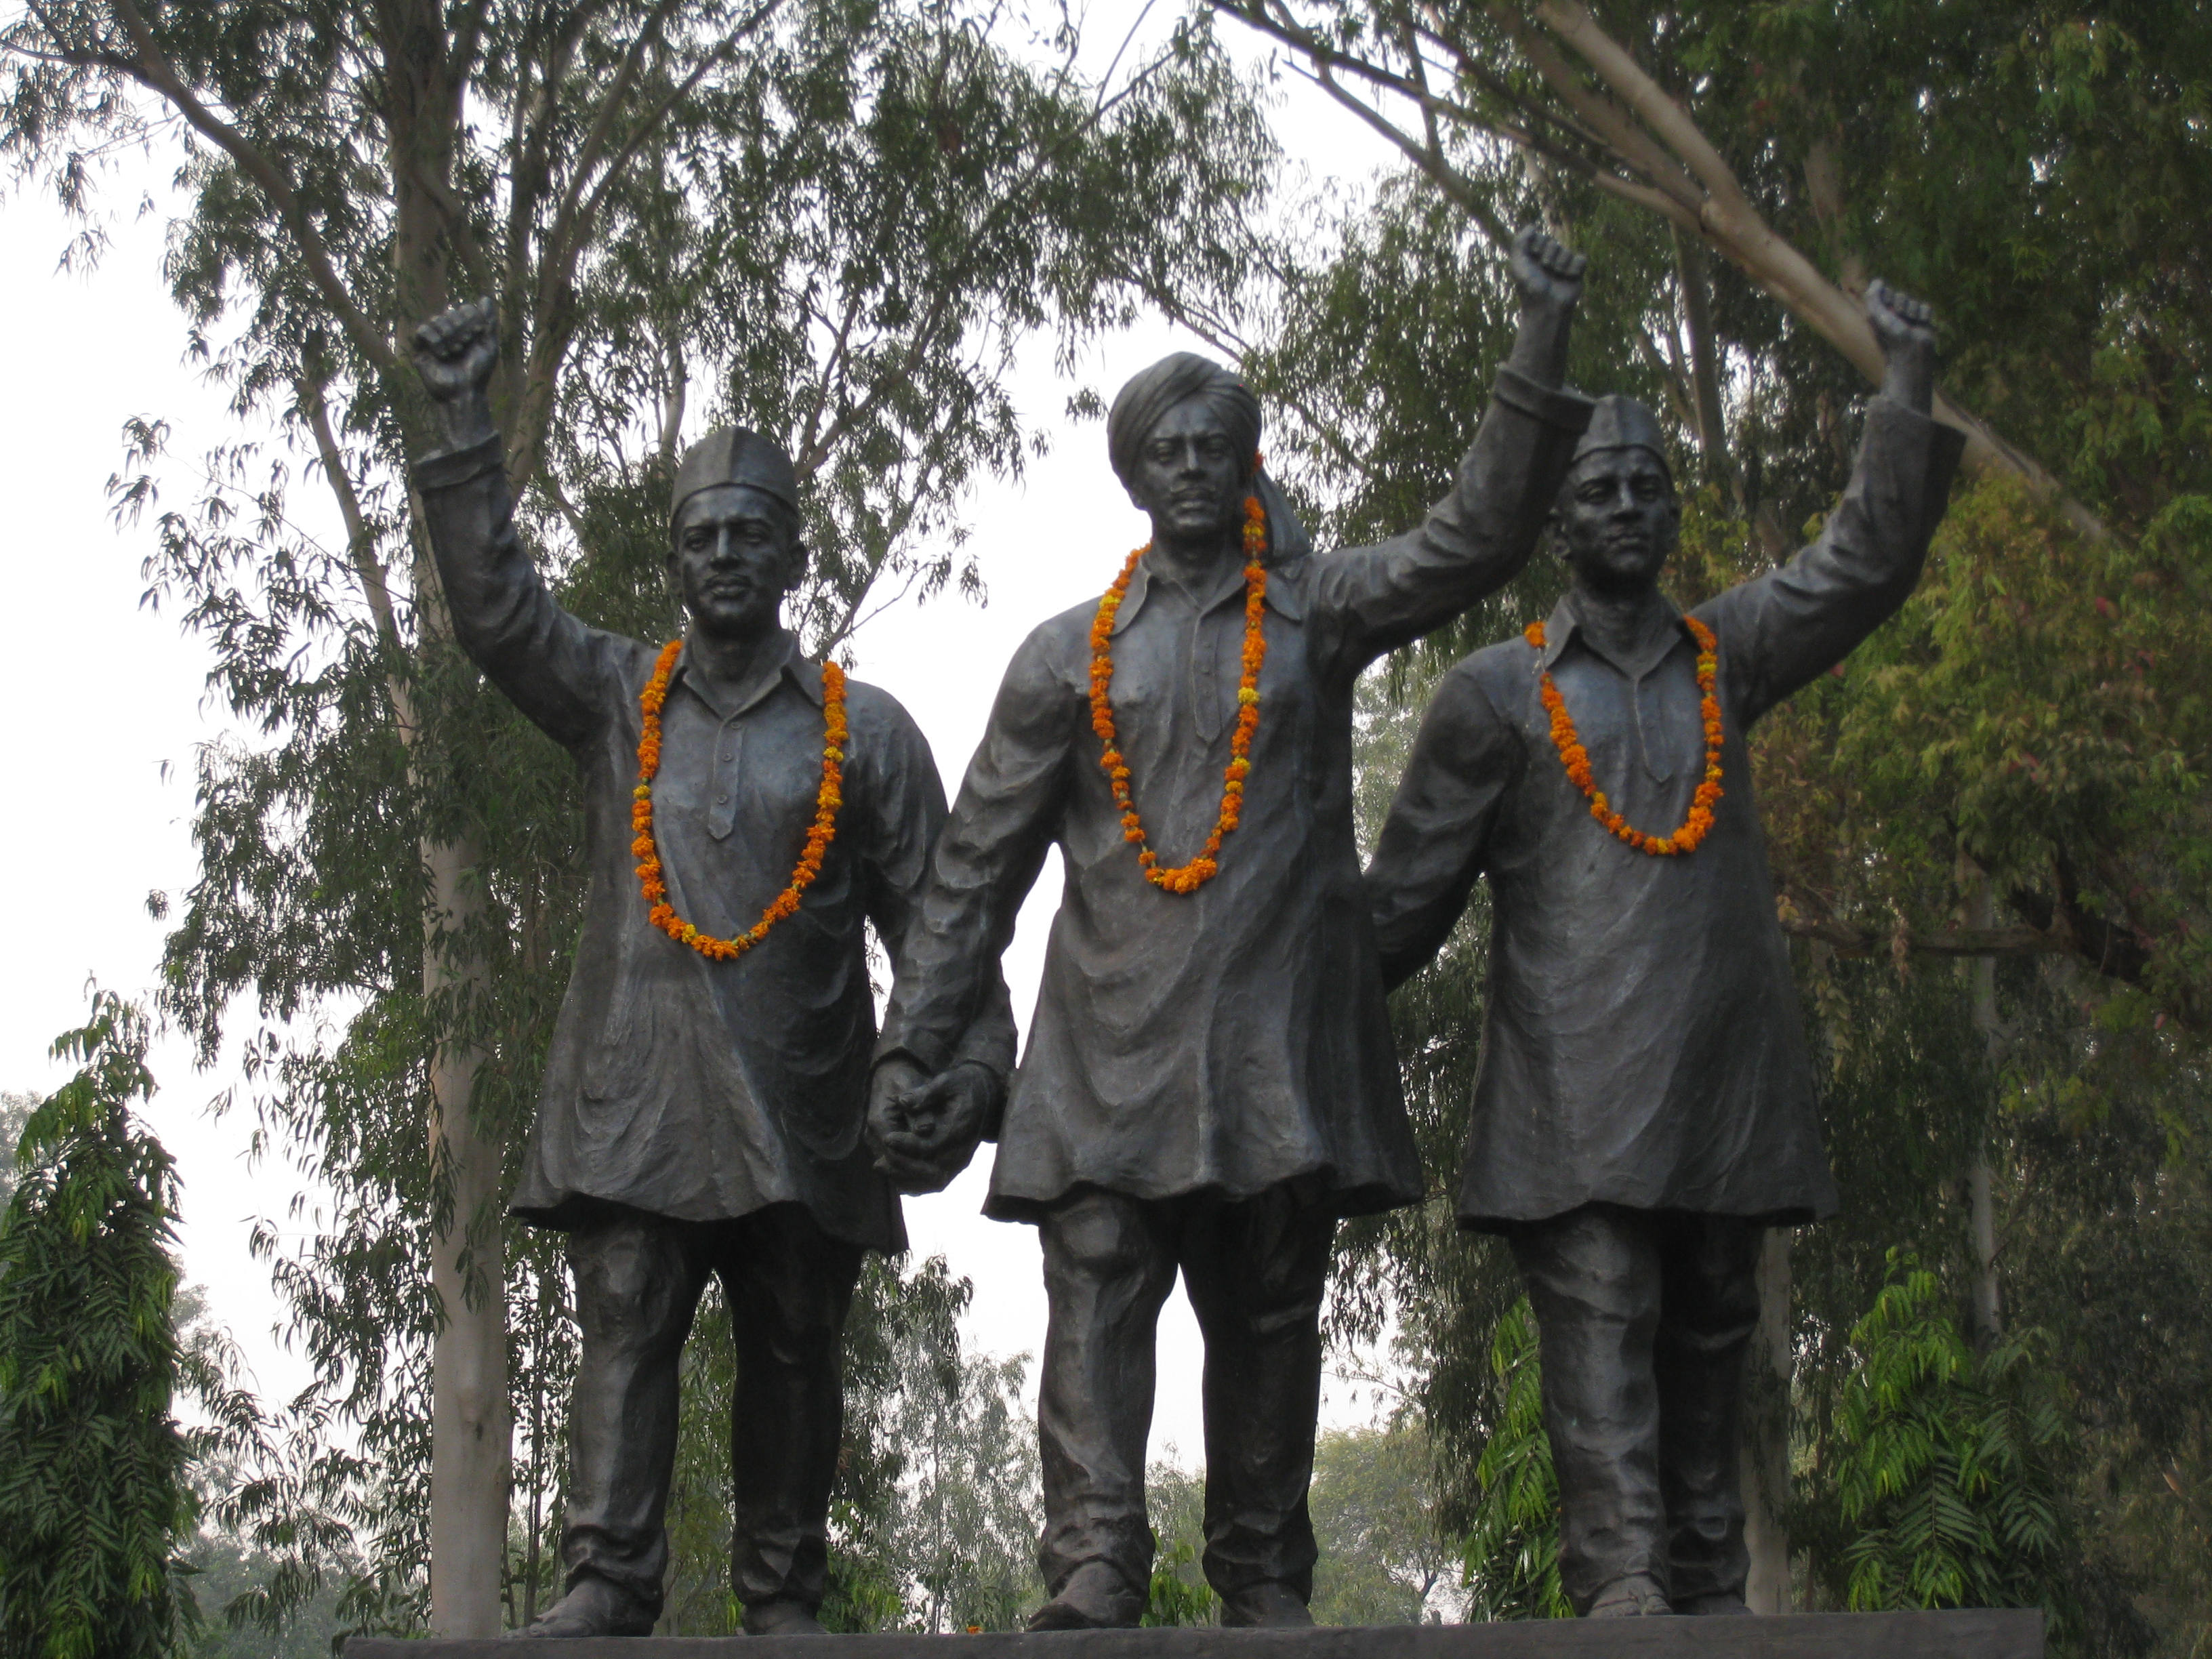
[[103, 704]]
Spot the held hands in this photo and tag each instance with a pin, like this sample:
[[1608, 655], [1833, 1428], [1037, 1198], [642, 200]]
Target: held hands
[[455, 353], [1905, 327], [924, 1129]]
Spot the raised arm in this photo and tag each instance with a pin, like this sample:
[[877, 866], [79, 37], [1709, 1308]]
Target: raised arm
[[1367, 600], [987, 857], [1778, 632], [1437, 835], [545, 660]]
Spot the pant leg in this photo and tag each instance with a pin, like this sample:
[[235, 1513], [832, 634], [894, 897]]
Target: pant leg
[[638, 1279], [1255, 1272], [1108, 1268], [789, 1285], [1708, 1307], [1593, 1279]]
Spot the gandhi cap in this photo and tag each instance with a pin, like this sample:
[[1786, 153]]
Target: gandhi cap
[[1621, 422], [734, 455]]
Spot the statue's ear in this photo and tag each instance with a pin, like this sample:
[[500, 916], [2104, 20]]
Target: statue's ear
[[802, 556]]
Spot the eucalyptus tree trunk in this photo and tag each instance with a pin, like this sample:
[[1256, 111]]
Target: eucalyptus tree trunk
[[1984, 1308], [1765, 1435]]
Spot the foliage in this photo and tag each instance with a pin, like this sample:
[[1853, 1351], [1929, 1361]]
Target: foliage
[[828, 220], [1512, 1549], [935, 1514], [1942, 1486], [1178, 1594], [94, 1468], [1382, 1560]]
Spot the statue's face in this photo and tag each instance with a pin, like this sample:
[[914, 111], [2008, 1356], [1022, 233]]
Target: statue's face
[[737, 553], [1619, 517], [1189, 476]]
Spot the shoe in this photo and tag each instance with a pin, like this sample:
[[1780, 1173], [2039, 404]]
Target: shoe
[[1095, 1597], [1637, 1595], [1269, 1604], [592, 1606], [781, 1617], [1725, 1601]]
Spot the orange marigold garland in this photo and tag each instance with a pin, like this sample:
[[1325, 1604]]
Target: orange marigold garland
[[1188, 877], [1576, 758], [819, 834]]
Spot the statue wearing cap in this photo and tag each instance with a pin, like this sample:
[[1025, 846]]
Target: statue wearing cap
[[1209, 1082], [1645, 1107], [702, 1116]]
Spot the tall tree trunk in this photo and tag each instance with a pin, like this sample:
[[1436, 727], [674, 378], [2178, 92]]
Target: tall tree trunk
[[1765, 1441], [1981, 1208], [472, 1427]]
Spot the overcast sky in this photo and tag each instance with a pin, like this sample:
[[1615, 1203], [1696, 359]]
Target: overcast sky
[[103, 704]]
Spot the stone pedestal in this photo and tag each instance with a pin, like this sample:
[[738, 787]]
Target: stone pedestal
[[1964, 1635]]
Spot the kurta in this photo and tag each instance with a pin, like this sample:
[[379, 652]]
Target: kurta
[[1642, 1044], [697, 1089], [1235, 1039]]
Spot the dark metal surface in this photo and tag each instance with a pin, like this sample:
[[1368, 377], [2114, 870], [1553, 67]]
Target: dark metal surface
[[1233, 1039], [1970, 1634], [703, 1090], [1642, 1043]]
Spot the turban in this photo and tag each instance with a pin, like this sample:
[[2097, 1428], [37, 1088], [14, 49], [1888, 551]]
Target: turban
[[1139, 406], [732, 455], [1621, 422]]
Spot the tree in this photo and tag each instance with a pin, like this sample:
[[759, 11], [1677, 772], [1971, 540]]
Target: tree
[[1382, 1560], [1512, 1555], [838, 218], [94, 1468], [1943, 1488]]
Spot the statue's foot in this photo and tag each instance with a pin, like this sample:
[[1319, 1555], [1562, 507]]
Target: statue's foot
[[1270, 1605], [781, 1617], [1724, 1603], [1637, 1595], [1095, 1597], [594, 1608]]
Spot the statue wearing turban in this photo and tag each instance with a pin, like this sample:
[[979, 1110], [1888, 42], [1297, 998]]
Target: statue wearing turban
[[1645, 1107], [1209, 1082], [701, 1117]]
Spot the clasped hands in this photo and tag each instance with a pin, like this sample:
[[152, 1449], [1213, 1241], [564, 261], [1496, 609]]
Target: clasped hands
[[924, 1129]]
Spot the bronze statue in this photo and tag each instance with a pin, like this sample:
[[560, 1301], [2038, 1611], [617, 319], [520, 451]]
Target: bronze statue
[[1209, 1081], [1644, 1106], [705, 1093]]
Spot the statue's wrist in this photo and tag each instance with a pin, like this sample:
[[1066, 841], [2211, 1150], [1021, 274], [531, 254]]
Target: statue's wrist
[[467, 421]]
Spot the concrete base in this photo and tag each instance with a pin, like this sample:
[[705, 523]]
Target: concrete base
[[2009, 1634]]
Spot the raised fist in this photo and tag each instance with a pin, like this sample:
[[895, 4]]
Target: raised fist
[[1905, 327], [1544, 270], [456, 351]]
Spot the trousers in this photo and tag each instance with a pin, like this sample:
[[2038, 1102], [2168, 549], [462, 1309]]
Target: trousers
[[1644, 1319], [1254, 1270], [638, 1281]]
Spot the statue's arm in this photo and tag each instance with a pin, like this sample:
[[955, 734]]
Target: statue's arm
[[1437, 839], [1779, 631], [545, 660], [1478, 536], [906, 820], [986, 859]]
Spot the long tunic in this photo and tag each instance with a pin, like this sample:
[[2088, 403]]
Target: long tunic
[[1233, 1039], [698, 1090], [1642, 1044]]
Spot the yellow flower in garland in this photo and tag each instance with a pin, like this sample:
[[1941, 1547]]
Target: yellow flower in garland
[[1188, 877], [827, 799], [1575, 758]]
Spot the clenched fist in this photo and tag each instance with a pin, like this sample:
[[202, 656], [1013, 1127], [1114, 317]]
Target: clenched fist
[[455, 353]]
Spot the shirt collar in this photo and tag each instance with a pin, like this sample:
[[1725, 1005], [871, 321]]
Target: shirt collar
[[1566, 622], [1285, 592], [791, 666]]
